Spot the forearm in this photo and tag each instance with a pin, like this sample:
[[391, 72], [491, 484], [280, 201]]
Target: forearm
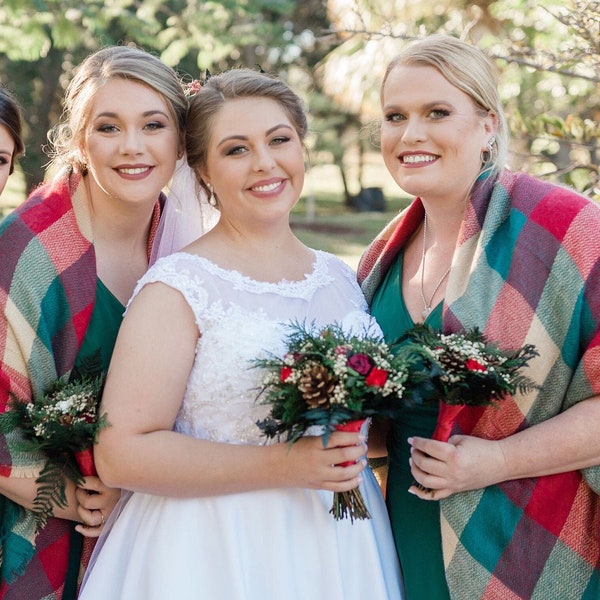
[[22, 491], [172, 464], [569, 441]]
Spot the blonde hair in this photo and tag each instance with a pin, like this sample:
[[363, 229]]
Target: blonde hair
[[468, 69], [112, 62]]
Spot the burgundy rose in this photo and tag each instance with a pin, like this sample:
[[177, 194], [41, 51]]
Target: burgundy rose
[[361, 363]]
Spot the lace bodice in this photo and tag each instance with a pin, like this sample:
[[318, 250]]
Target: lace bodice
[[241, 319]]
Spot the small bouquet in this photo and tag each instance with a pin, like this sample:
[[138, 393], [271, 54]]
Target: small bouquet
[[333, 380], [63, 424], [465, 369]]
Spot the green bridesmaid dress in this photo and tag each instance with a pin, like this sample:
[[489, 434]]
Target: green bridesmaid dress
[[415, 522]]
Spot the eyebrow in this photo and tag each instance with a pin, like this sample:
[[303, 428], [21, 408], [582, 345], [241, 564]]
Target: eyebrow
[[245, 137], [427, 105], [148, 113]]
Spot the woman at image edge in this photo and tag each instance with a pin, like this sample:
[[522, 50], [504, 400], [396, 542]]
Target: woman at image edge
[[215, 511], [517, 491]]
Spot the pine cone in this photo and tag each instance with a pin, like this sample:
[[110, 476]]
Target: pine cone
[[317, 385]]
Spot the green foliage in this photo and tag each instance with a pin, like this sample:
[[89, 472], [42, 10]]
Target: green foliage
[[465, 368]]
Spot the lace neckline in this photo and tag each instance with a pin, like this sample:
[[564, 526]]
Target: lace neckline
[[319, 270]]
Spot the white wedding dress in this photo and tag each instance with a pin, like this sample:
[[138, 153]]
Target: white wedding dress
[[280, 544]]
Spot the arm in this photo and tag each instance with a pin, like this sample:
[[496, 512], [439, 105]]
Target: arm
[[145, 384], [569, 441]]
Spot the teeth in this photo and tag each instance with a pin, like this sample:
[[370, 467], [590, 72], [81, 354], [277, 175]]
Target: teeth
[[418, 158], [136, 171], [266, 188]]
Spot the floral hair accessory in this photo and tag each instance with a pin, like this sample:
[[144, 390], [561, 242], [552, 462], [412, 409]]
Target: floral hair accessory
[[194, 86]]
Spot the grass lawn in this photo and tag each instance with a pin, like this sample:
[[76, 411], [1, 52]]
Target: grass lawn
[[337, 229]]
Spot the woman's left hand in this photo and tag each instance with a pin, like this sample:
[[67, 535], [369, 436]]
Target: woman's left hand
[[95, 503], [463, 463]]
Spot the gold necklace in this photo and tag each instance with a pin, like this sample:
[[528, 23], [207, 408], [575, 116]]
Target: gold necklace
[[427, 305]]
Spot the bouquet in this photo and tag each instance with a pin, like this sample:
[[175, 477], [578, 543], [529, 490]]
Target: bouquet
[[465, 369], [62, 424], [335, 381]]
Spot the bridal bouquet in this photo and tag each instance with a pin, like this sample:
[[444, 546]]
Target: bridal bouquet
[[62, 424], [465, 369], [335, 381]]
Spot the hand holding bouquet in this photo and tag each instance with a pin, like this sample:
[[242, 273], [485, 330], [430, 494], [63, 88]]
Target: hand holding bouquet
[[62, 424], [333, 380]]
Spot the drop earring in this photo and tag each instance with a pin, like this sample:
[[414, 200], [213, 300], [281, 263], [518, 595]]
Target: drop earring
[[486, 155], [211, 199]]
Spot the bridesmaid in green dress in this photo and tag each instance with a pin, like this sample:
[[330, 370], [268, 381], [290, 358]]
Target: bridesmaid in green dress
[[506, 508]]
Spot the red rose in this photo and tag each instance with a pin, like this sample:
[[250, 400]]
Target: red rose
[[377, 377], [285, 373], [473, 365], [361, 363]]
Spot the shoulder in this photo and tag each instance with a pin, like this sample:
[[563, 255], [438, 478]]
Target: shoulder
[[546, 201], [180, 271]]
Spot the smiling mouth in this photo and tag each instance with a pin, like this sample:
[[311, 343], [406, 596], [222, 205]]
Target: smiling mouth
[[412, 159], [134, 171], [266, 188]]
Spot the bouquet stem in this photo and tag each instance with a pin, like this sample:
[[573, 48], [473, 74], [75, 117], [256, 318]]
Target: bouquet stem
[[349, 504], [85, 462]]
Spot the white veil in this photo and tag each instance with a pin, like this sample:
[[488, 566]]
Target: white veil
[[186, 215]]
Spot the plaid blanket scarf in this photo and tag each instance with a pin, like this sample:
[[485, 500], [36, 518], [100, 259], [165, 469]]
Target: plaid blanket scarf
[[47, 292], [526, 269]]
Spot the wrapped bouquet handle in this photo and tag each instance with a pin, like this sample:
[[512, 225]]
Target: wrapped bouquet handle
[[85, 462], [445, 422], [350, 504]]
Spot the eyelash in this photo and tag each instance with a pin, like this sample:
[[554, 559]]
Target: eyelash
[[4, 161], [276, 141], [441, 113], [109, 128]]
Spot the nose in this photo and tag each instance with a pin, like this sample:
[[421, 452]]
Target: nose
[[263, 158], [414, 130], [132, 142]]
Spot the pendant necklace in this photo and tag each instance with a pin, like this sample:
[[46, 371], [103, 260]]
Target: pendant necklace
[[427, 305]]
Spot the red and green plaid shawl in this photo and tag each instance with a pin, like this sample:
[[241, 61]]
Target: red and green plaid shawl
[[526, 270], [47, 292]]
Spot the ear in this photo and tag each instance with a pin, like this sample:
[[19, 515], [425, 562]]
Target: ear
[[491, 123], [204, 177]]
